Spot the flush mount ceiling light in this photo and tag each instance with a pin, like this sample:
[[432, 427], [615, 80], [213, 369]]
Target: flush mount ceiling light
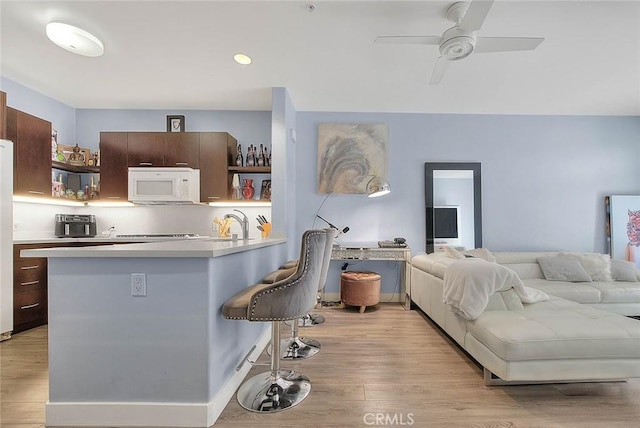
[[241, 58], [74, 39], [378, 187]]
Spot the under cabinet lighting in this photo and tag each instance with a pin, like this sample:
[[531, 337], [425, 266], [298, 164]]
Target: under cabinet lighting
[[113, 204], [48, 201], [246, 204], [74, 39]]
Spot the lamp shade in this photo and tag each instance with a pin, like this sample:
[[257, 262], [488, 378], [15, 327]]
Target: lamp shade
[[378, 186], [74, 39]]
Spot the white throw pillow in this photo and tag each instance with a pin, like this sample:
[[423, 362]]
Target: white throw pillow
[[563, 268], [622, 270], [597, 265]]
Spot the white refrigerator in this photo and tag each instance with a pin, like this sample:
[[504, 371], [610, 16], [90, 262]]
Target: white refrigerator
[[6, 239]]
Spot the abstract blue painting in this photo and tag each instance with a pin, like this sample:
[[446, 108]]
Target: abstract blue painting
[[349, 155]]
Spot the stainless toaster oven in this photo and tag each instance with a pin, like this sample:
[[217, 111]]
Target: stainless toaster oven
[[75, 226]]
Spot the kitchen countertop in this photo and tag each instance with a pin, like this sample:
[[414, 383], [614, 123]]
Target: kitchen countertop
[[193, 247], [54, 240]]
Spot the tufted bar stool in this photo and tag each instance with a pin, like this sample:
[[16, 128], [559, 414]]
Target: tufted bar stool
[[308, 319], [296, 347], [282, 300]]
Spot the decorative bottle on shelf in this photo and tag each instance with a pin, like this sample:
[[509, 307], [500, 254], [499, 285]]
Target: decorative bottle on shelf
[[235, 184], [239, 157], [267, 159], [247, 188], [250, 156], [261, 156], [93, 189]]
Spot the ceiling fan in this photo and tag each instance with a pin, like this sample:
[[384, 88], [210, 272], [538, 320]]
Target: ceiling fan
[[460, 41]]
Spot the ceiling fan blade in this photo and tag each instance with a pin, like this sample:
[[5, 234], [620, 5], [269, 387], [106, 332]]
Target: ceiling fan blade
[[409, 40], [475, 15], [502, 44], [438, 72]]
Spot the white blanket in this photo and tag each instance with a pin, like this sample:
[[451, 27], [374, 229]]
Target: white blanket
[[468, 284]]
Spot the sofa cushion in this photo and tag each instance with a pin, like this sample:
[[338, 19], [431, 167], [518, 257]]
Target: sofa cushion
[[581, 292], [562, 268], [517, 257], [618, 292], [434, 264], [622, 270], [597, 265], [506, 300], [557, 329]]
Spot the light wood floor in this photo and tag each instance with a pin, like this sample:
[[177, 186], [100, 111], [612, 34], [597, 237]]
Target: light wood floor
[[386, 363]]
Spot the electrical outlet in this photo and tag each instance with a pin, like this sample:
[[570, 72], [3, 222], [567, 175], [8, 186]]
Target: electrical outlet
[[138, 284]]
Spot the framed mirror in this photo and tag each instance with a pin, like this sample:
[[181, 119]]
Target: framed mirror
[[453, 205]]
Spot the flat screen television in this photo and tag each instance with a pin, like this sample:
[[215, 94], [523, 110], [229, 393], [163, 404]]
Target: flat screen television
[[446, 225]]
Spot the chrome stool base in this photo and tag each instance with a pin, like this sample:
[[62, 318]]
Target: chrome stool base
[[299, 348], [262, 393], [310, 320]]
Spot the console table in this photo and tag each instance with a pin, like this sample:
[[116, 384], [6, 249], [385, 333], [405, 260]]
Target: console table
[[399, 254]]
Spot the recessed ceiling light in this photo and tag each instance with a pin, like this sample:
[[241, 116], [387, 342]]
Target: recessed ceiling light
[[242, 59], [74, 39]]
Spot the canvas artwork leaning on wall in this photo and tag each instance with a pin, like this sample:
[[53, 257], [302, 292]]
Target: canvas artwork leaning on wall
[[623, 227]]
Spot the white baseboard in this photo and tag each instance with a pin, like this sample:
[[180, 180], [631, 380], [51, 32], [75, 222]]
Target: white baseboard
[[384, 297], [113, 414]]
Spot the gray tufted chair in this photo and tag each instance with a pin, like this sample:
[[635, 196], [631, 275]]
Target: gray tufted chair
[[287, 268], [296, 347], [286, 299]]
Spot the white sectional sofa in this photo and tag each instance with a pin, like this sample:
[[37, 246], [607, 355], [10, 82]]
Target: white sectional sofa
[[578, 334], [617, 296]]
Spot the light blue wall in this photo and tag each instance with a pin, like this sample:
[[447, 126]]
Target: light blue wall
[[61, 116], [544, 178], [283, 179]]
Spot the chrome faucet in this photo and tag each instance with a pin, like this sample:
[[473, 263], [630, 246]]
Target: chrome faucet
[[243, 221]]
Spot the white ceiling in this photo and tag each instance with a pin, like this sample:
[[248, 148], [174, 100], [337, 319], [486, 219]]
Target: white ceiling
[[178, 55]]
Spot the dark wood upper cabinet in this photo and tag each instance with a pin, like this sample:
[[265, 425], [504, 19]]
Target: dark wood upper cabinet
[[145, 149], [113, 166], [32, 153], [210, 152], [214, 178], [181, 149], [174, 149]]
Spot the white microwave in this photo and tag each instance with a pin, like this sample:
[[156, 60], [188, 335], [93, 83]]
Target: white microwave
[[164, 185]]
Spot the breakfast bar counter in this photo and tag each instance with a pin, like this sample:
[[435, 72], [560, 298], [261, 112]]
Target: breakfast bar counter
[[196, 247], [160, 353]]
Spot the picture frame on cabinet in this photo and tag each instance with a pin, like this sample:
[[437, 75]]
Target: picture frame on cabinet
[[175, 123]]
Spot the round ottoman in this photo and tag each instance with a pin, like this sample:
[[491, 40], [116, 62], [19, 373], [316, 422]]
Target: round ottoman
[[360, 289]]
